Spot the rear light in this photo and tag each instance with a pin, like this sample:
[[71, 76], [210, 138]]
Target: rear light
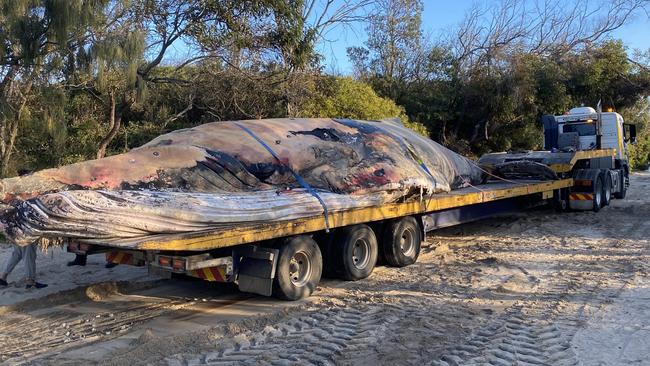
[[73, 247], [178, 264], [84, 247], [165, 261]]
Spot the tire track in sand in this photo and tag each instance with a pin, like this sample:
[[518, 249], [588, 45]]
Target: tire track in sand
[[315, 338], [24, 336], [538, 330]]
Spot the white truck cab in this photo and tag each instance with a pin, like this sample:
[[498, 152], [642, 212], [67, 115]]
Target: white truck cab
[[583, 122], [583, 128]]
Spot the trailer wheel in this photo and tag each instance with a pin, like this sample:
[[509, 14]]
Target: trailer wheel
[[560, 200], [598, 194], [607, 188], [401, 242], [356, 252], [299, 268]]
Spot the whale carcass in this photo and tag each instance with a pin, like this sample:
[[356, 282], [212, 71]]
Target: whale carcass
[[230, 174]]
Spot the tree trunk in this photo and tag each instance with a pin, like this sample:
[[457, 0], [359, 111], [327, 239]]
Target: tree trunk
[[9, 125], [115, 120], [443, 133], [12, 130], [479, 127]]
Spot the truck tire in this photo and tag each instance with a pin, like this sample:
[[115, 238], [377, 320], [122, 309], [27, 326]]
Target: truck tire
[[299, 268], [598, 194], [356, 252], [607, 188], [401, 242], [624, 178]]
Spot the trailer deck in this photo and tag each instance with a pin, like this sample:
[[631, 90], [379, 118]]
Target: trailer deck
[[559, 162]]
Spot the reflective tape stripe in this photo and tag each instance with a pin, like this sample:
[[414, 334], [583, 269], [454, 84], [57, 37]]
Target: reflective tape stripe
[[581, 196], [197, 273], [219, 273], [208, 274], [212, 274]]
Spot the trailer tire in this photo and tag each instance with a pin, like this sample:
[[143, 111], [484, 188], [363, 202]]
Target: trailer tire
[[401, 242], [356, 252], [598, 194], [299, 268], [560, 200], [607, 188]]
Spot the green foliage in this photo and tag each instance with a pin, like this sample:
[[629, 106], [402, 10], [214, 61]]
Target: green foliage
[[639, 115], [497, 106], [37, 43], [344, 97], [117, 58]]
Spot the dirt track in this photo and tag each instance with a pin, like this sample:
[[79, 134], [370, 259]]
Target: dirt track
[[537, 288]]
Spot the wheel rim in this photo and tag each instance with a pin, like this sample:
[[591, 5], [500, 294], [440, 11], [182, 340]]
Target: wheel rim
[[361, 254], [608, 194], [300, 269], [407, 242], [597, 199]]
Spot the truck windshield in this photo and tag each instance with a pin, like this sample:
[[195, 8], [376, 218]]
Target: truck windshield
[[583, 129]]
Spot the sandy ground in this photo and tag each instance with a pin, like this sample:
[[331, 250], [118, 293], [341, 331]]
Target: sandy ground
[[536, 288], [51, 269]]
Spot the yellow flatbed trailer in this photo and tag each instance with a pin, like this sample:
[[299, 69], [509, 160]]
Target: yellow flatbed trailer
[[287, 258]]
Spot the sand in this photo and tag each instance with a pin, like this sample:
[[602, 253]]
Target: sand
[[51, 269]]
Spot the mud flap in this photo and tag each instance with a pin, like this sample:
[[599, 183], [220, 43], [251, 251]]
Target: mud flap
[[581, 197], [256, 268]]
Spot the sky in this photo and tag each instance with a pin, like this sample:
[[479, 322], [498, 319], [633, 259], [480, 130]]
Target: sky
[[440, 15]]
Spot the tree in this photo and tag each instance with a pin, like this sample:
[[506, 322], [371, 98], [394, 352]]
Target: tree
[[36, 38], [484, 85], [343, 97], [639, 114], [120, 71], [280, 44], [394, 53], [491, 33]]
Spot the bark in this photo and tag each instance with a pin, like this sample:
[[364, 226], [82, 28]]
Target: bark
[[115, 121], [16, 103], [443, 133], [479, 127], [12, 134]]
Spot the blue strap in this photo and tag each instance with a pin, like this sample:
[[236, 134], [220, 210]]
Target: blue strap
[[302, 182], [422, 165]]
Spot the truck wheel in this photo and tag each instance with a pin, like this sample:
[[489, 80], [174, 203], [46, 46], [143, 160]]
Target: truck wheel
[[299, 268], [401, 242], [356, 252], [607, 188], [624, 178], [598, 194]]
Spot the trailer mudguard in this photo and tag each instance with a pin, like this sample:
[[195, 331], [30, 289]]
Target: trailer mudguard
[[255, 268]]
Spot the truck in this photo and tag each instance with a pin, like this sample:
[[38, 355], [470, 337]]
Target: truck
[[585, 149]]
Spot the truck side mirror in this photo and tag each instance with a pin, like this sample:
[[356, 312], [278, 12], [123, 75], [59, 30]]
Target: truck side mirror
[[630, 133]]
